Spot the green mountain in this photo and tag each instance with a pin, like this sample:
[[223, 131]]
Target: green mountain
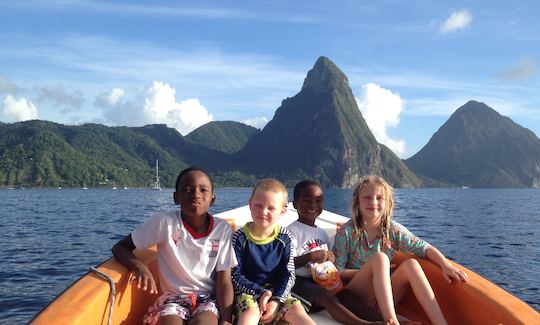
[[321, 134], [224, 136], [176, 145], [46, 154], [477, 147]]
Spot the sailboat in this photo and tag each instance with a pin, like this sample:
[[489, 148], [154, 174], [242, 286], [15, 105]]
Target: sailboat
[[156, 186]]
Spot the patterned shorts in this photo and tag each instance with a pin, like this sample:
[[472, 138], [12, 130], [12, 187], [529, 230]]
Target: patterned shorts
[[245, 301], [185, 306]]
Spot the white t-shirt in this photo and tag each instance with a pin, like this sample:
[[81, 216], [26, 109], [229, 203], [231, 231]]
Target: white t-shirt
[[306, 238], [185, 264]]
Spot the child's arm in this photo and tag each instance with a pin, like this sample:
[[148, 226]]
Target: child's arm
[[286, 276], [224, 296], [409, 242], [318, 256], [123, 252], [449, 271], [341, 253]]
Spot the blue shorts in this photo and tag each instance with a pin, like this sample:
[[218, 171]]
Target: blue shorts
[[306, 290]]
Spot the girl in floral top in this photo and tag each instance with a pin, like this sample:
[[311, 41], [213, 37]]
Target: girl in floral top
[[365, 245]]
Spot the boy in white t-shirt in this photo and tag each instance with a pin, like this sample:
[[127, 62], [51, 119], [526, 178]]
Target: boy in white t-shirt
[[194, 257], [312, 247]]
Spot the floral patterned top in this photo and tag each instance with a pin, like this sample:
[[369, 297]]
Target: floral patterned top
[[352, 253]]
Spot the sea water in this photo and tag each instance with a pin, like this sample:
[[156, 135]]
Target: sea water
[[50, 237]]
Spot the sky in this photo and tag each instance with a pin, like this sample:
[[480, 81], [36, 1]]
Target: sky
[[410, 64]]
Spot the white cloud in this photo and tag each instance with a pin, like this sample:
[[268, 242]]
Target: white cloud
[[188, 115], [6, 86], [157, 105], [457, 20], [58, 95], [111, 98], [17, 110], [258, 122], [523, 69], [381, 109]]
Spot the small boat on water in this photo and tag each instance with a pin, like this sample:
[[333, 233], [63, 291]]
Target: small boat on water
[[91, 300], [156, 186]]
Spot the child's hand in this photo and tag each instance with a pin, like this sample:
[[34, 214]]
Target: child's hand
[[451, 272], [263, 299], [263, 302], [320, 256], [330, 256], [269, 313], [145, 280]]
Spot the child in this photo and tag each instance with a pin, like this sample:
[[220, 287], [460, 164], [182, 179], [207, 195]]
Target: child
[[194, 256], [308, 201], [264, 275], [365, 245]]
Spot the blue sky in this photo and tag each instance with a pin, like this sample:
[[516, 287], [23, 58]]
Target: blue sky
[[410, 64]]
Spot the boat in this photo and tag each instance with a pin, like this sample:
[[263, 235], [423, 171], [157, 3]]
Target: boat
[[156, 186], [89, 299]]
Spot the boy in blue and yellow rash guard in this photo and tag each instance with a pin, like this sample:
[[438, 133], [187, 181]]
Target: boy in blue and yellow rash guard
[[265, 273]]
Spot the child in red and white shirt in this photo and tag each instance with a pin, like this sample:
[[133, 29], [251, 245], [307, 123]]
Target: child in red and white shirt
[[194, 257]]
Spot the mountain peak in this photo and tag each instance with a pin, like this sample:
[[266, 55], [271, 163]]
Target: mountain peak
[[479, 147], [325, 75], [473, 106], [320, 134]]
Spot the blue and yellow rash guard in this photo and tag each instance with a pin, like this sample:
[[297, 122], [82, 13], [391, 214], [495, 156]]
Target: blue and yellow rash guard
[[266, 264]]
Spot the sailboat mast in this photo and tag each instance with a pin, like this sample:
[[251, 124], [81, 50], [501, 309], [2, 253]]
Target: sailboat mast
[[156, 185], [157, 172]]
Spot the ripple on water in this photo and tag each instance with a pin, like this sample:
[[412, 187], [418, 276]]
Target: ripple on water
[[495, 255]]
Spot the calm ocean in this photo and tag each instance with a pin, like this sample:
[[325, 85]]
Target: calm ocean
[[50, 237]]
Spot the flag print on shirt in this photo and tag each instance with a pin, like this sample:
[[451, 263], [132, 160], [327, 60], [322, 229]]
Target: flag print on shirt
[[175, 240], [310, 245], [214, 247]]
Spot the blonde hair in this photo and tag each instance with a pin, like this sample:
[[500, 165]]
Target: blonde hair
[[271, 185], [384, 226]]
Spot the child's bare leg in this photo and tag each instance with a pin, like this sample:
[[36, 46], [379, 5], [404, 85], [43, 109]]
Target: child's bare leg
[[297, 315], [249, 316], [337, 310], [352, 302], [171, 320], [410, 273], [204, 318], [373, 280]]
